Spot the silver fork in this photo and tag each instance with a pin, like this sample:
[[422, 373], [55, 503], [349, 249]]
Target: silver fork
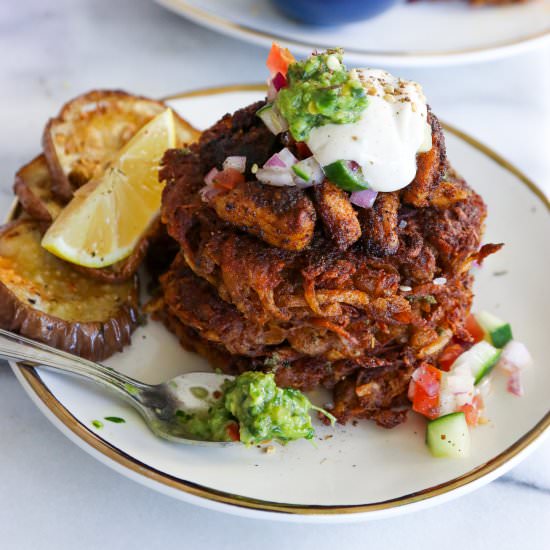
[[158, 404]]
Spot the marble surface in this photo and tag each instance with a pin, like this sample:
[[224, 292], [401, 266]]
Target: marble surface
[[52, 494]]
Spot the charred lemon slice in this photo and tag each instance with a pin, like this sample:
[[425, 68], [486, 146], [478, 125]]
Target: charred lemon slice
[[107, 217]]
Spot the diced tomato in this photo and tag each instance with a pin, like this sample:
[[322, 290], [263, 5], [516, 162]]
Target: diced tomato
[[449, 355], [228, 178], [233, 431], [424, 391], [279, 59], [425, 404], [475, 330], [428, 377], [473, 410]]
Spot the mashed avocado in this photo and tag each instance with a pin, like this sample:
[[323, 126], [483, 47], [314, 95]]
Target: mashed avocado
[[261, 411], [320, 91]]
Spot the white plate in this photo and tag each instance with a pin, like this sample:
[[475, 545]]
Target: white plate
[[422, 33], [363, 472]]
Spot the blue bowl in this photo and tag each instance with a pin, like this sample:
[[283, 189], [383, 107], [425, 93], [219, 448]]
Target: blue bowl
[[332, 12]]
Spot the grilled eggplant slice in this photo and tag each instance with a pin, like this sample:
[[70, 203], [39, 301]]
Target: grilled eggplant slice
[[43, 298], [33, 187], [90, 129]]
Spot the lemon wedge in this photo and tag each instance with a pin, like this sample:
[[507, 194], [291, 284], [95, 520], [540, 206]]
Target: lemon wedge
[[106, 218]]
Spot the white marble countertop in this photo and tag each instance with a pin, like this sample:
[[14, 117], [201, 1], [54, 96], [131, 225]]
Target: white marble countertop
[[52, 494]]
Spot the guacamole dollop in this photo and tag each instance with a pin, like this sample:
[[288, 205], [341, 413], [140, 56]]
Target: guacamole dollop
[[320, 91], [253, 409]]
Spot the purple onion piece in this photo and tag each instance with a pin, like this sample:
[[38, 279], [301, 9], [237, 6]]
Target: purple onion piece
[[209, 178], [363, 199], [236, 162], [279, 81], [276, 176], [283, 159], [275, 162]]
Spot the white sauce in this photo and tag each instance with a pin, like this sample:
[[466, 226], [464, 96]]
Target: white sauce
[[387, 137]]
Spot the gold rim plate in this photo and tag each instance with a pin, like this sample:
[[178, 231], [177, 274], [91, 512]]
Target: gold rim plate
[[32, 378]]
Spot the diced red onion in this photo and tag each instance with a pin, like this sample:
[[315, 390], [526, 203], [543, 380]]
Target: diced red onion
[[457, 389], [235, 162], [447, 402], [275, 161], [515, 356], [271, 91], [514, 385], [287, 157], [277, 176], [279, 81], [314, 171], [459, 384], [209, 178], [363, 199]]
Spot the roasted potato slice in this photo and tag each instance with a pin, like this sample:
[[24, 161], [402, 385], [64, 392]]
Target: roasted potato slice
[[43, 298], [91, 128], [33, 187]]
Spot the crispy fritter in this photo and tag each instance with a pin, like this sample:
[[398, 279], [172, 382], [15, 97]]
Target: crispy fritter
[[339, 218], [381, 235], [353, 306], [430, 167], [282, 217]]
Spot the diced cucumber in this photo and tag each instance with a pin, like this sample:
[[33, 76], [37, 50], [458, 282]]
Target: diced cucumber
[[481, 358], [499, 332], [272, 118], [448, 436], [301, 171], [309, 171], [346, 175]]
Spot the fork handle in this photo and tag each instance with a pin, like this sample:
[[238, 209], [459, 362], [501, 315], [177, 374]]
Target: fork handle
[[31, 353]]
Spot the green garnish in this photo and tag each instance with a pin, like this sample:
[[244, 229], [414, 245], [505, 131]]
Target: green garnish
[[115, 419], [261, 410], [184, 416], [346, 175], [97, 424], [199, 393], [131, 389], [320, 91]]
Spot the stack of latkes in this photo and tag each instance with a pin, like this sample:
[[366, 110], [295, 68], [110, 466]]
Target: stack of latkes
[[303, 283]]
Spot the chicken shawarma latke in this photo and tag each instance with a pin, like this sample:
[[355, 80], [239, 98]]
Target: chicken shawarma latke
[[324, 236]]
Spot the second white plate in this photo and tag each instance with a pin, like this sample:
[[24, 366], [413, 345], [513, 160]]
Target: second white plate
[[417, 34]]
